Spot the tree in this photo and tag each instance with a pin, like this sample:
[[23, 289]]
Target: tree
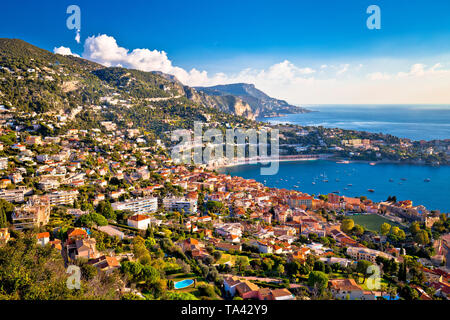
[[358, 230], [318, 281], [421, 237], [242, 262], [3, 219], [319, 266], [347, 225], [362, 267], [385, 228], [280, 269], [415, 227]]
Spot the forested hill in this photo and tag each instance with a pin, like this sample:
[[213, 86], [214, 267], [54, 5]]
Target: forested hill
[[33, 79]]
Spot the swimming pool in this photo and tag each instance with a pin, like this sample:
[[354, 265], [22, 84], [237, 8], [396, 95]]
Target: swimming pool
[[183, 284]]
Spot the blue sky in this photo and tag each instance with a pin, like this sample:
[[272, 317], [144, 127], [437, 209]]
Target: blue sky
[[231, 36]]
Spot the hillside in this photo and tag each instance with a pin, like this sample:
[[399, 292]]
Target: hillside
[[261, 104], [38, 84], [36, 80]]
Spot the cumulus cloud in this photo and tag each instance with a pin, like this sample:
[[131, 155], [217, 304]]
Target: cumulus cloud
[[105, 50], [288, 81], [64, 51]]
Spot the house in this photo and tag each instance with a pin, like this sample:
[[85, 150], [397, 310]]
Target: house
[[105, 264], [247, 290], [367, 254], [4, 183], [74, 234], [345, 288], [43, 238], [112, 232], [85, 248], [230, 284], [139, 221], [226, 246], [282, 294]]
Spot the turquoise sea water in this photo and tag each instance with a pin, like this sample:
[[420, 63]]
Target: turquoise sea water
[[417, 122], [362, 176], [414, 122]]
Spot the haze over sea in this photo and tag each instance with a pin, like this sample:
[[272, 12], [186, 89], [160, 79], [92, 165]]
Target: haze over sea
[[415, 122]]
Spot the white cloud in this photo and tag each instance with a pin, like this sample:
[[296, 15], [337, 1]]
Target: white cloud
[[64, 51], [105, 50], [296, 84], [379, 76], [343, 69]]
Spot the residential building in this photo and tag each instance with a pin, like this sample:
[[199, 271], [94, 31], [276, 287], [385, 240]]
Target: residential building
[[188, 206], [35, 213], [139, 221], [297, 201], [105, 264], [367, 254], [138, 206], [61, 197], [43, 238]]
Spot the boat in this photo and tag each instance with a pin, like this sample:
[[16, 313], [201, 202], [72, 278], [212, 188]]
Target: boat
[[313, 182], [345, 188], [337, 180], [371, 190], [403, 179], [372, 163], [427, 180], [349, 185], [391, 180], [337, 192], [325, 180], [344, 161]]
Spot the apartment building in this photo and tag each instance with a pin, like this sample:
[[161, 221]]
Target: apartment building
[[138, 206], [357, 254], [58, 198], [180, 205], [15, 195], [297, 201], [35, 213]]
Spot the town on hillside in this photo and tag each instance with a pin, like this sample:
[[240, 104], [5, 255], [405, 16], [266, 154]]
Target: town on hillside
[[139, 226]]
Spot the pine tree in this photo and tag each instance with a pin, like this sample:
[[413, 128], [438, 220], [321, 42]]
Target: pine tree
[[3, 219]]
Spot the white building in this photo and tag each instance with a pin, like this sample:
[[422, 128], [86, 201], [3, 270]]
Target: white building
[[180, 204], [139, 221], [58, 198], [138, 206]]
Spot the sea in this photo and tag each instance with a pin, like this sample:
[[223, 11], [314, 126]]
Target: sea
[[405, 181], [416, 122]]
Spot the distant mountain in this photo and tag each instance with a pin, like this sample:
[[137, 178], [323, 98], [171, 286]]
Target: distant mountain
[[260, 103]]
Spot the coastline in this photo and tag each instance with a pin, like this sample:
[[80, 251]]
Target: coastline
[[321, 157]]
